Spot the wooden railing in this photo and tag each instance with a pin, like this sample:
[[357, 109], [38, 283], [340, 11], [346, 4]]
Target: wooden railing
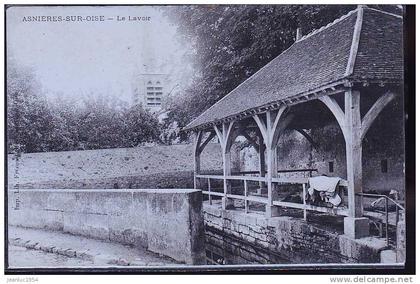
[[279, 171], [385, 213], [303, 181], [304, 206]]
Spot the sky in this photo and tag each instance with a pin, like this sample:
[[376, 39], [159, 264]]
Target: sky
[[83, 57]]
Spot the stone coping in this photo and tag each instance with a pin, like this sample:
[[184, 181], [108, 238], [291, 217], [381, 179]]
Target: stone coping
[[151, 190]]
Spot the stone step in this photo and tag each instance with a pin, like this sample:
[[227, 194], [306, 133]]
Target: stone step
[[388, 256]]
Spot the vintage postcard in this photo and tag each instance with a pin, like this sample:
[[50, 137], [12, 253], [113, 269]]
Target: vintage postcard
[[206, 138]]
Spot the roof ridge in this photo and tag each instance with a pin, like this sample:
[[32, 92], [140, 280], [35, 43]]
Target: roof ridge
[[303, 38], [329, 24], [263, 67], [360, 7], [355, 41], [384, 12], [353, 32]]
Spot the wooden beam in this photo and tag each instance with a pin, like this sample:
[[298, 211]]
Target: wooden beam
[[197, 140], [204, 144], [336, 111], [229, 129], [230, 135], [335, 211], [308, 137], [331, 89], [252, 141], [261, 126], [281, 126], [231, 139], [375, 110], [219, 135], [275, 130]]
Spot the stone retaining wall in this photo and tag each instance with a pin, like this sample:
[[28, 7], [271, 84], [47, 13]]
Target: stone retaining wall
[[237, 237], [401, 243], [164, 221], [138, 167], [156, 180]]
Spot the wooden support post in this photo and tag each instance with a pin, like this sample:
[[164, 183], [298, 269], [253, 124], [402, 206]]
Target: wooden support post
[[261, 152], [304, 200], [259, 146], [246, 196], [209, 189], [196, 170], [354, 129], [357, 226], [353, 152], [275, 162], [226, 173], [197, 153], [225, 139], [270, 131], [271, 210], [227, 130], [198, 148], [351, 126]]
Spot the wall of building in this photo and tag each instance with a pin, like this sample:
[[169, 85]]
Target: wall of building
[[151, 90], [164, 221], [233, 237]]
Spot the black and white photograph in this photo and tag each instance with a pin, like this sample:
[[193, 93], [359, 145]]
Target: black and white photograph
[[194, 138]]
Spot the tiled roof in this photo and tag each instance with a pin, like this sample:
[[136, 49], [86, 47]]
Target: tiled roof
[[380, 52], [365, 44]]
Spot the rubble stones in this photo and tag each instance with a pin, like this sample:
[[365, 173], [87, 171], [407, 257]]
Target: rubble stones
[[252, 238]]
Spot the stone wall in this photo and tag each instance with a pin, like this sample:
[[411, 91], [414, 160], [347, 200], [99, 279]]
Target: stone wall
[[164, 221], [140, 167], [157, 180], [238, 238], [401, 241]]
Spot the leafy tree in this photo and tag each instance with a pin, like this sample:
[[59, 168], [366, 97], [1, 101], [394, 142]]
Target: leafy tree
[[29, 119], [64, 135], [35, 124], [140, 126], [99, 123]]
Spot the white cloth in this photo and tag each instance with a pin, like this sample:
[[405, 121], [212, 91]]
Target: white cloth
[[328, 187], [335, 199], [323, 183]]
